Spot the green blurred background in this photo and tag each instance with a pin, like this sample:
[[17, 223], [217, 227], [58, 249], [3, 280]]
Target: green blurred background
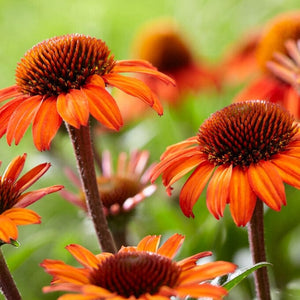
[[211, 26]]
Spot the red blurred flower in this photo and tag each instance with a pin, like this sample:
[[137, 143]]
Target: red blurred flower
[[251, 148], [64, 78], [270, 86], [122, 190], [143, 272], [13, 201]]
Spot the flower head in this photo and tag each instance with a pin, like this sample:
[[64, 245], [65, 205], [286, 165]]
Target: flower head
[[275, 44], [121, 190], [142, 272], [245, 151], [13, 201], [65, 78]]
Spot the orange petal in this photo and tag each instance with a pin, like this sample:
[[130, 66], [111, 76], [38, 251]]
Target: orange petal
[[267, 184], [62, 272], [190, 262], [149, 243], [218, 190], [21, 118], [91, 289], [242, 199], [288, 168], [14, 169], [171, 246], [103, 106], [9, 92], [22, 216], [31, 177], [31, 197], [194, 186], [133, 87], [206, 271], [73, 108], [205, 290], [46, 124], [6, 112], [83, 256], [8, 229]]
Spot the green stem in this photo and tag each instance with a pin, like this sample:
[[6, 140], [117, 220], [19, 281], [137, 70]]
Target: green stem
[[257, 247], [82, 144], [7, 283]]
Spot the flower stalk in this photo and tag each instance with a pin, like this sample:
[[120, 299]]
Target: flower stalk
[[257, 248], [7, 284], [81, 140]]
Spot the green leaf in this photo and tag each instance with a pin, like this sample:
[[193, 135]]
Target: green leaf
[[228, 285]]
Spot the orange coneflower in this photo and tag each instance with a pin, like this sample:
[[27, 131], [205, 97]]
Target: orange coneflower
[[121, 190], [13, 201], [272, 45], [252, 146], [64, 78], [143, 272]]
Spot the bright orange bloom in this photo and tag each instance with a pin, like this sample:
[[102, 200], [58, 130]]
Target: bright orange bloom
[[270, 86], [143, 272], [122, 190], [13, 201], [245, 151], [65, 78]]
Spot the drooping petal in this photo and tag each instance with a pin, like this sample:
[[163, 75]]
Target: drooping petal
[[267, 184], [62, 272], [31, 197], [21, 118], [194, 186], [206, 272], [191, 261], [149, 243], [22, 216], [73, 108], [171, 246], [9, 92], [218, 190], [83, 256], [46, 124], [8, 229], [288, 168], [31, 177], [97, 291], [14, 169], [242, 199], [103, 106]]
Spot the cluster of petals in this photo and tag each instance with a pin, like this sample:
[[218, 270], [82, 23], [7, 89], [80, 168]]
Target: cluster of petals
[[13, 200], [46, 112], [126, 185], [192, 280]]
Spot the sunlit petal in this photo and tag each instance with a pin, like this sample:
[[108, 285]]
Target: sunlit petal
[[8, 229], [149, 243], [83, 256], [171, 246], [22, 216]]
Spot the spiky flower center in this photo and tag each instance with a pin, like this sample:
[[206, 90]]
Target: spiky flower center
[[284, 27], [246, 133], [62, 63], [136, 273], [8, 195], [117, 189]]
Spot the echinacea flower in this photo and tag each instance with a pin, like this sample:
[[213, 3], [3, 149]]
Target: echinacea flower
[[120, 190], [269, 86], [143, 272], [164, 45], [65, 78], [13, 201], [245, 151]]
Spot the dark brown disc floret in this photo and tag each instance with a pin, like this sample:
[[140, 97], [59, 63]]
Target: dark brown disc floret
[[8, 195], [136, 273], [62, 63], [245, 133]]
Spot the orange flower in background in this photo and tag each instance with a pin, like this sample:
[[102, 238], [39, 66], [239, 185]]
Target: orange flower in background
[[245, 151], [270, 86], [64, 78], [143, 272], [162, 43], [13, 201], [121, 190]]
